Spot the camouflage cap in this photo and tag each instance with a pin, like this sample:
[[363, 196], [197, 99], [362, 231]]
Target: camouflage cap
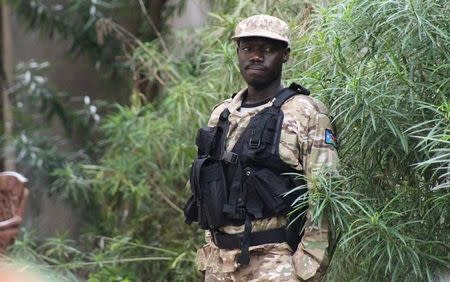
[[262, 26]]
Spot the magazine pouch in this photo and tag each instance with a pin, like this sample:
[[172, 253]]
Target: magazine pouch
[[209, 193], [214, 192]]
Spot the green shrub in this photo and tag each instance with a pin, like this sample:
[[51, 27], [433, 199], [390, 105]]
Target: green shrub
[[381, 67]]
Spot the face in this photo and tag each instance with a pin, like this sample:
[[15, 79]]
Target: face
[[261, 60]]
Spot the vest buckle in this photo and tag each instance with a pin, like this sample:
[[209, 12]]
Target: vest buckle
[[230, 157], [254, 144], [241, 213]]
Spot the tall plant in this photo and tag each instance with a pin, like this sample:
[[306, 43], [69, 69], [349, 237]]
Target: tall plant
[[381, 67]]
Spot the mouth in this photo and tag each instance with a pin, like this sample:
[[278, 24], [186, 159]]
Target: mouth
[[256, 68]]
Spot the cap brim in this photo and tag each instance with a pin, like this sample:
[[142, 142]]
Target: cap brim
[[265, 34]]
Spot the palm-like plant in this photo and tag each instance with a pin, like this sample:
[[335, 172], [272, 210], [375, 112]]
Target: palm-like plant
[[381, 67]]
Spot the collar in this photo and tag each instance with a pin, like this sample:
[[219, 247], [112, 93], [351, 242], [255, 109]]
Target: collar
[[236, 103]]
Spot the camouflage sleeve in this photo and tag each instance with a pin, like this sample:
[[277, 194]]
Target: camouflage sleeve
[[318, 150]]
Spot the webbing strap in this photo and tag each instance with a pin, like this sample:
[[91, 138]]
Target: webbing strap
[[222, 128], [256, 133], [300, 89], [231, 207], [285, 94], [234, 241], [244, 257]]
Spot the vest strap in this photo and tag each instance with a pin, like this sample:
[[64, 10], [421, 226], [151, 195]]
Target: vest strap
[[300, 89], [218, 151], [234, 206], [244, 257], [224, 115], [285, 94], [234, 241]]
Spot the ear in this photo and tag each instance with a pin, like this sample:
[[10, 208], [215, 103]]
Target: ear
[[286, 53]]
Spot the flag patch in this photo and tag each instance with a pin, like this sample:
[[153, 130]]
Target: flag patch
[[330, 138]]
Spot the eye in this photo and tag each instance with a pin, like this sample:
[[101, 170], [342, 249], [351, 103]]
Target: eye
[[269, 50], [245, 48]]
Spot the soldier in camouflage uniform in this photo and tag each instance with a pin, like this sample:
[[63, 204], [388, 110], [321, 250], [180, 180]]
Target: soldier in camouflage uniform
[[307, 144]]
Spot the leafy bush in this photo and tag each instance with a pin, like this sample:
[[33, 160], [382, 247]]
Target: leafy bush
[[381, 67]]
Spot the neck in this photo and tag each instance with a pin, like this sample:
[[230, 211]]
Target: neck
[[256, 94]]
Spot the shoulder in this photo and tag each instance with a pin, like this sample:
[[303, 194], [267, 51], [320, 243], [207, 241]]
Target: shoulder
[[217, 110], [304, 105], [222, 105]]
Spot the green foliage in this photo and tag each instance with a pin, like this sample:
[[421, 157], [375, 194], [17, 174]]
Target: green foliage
[[36, 107], [111, 259], [35, 102], [82, 24], [381, 67], [73, 20], [434, 137]]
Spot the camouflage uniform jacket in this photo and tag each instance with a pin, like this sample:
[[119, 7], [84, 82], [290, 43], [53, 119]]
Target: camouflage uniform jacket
[[302, 145]]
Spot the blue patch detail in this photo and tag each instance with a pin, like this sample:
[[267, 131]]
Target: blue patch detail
[[330, 138]]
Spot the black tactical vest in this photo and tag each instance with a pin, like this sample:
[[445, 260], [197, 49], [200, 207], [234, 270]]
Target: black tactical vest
[[249, 182]]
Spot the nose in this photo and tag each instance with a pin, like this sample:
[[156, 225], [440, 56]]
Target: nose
[[257, 56]]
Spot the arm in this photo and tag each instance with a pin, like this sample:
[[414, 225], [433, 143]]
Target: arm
[[317, 152]]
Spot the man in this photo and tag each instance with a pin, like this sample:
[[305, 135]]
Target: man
[[239, 179]]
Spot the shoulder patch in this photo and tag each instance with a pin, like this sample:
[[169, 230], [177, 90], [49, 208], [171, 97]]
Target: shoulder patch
[[330, 138]]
